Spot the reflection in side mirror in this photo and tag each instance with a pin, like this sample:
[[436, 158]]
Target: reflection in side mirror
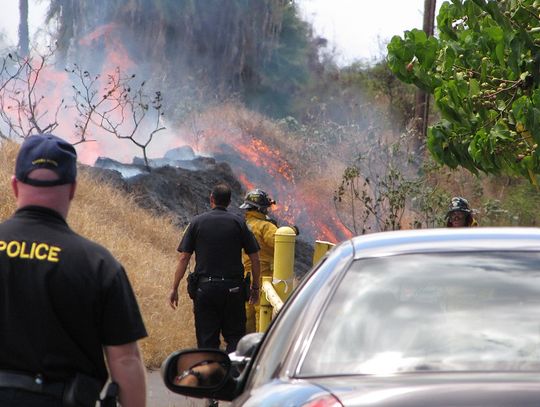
[[187, 372]]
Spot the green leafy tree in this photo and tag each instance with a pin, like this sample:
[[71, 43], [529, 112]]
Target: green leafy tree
[[484, 73]]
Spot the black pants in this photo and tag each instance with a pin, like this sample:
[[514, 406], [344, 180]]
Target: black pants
[[21, 398], [219, 308]]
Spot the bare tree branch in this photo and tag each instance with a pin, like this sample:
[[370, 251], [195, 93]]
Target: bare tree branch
[[118, 110], [22, 108]]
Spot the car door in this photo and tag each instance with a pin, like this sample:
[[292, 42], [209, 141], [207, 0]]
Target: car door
[[282, 347]]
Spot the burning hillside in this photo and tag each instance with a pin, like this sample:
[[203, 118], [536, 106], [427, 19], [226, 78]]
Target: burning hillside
[[257, 166], [262, 155], [182, 192], [103, 99], [258, 153]]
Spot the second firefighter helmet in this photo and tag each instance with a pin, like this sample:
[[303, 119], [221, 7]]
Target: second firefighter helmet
[[257, 199], [459, 204], [459, 213]]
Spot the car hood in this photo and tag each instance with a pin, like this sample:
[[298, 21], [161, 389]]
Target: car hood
[[437, 390]]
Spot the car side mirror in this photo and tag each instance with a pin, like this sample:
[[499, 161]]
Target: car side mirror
[[197, 373], [247, 345], [245, 349]]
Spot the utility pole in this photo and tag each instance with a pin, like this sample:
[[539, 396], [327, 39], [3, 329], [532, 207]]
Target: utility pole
[[421, 110], [24, 39]]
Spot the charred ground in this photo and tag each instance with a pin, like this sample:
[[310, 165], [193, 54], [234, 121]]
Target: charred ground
[[183, 193]]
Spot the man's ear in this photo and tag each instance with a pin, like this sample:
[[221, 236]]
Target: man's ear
[[72, 190], [15, 186]]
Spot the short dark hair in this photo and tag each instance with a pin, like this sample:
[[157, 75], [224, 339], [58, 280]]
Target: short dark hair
[[222, 194]]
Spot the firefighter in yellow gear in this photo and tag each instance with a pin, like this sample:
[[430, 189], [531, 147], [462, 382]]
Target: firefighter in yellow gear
[[256, 204]]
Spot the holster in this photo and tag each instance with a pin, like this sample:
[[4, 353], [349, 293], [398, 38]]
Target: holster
[[81, 391], [111, 395], [192, 283]]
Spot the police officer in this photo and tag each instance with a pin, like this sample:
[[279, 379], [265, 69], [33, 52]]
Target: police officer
[[66, 303], [256, 204], [460, 214], [217, 238]]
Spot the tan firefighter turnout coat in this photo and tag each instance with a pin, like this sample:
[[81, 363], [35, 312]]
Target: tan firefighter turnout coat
[[264, 231]]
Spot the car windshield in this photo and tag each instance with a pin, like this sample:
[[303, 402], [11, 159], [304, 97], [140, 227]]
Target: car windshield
[[437, 311]]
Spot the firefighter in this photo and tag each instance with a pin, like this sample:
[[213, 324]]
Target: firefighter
[[460, 214], [256, 204]]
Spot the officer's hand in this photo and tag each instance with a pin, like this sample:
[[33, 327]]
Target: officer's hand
[[173, 298], [254, 296]]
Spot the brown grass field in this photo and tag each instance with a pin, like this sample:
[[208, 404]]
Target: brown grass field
[[143, 243]]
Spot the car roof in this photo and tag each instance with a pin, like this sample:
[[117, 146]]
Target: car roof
[[446, 240]]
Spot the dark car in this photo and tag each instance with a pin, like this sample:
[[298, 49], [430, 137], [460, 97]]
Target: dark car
[[439, 317]]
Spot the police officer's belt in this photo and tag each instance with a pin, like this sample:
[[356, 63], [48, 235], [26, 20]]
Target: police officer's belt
[[34, 384], [213, 278]]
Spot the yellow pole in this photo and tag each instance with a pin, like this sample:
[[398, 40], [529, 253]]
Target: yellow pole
[[285, 239], [321, 247], [265, 309]]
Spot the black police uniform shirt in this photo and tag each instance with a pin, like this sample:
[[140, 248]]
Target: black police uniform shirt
[[62, 297], [218, 237]]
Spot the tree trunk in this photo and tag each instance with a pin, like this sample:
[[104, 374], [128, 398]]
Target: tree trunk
[[24, 40], [421, 111]]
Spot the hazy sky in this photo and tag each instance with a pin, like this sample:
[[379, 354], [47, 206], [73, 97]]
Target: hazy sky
[[360, 28], [357, 28], [9, 17]]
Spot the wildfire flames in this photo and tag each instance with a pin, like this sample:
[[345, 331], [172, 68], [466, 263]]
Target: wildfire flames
[[256, 151], [254, 162], [49, 91], [257, 165]]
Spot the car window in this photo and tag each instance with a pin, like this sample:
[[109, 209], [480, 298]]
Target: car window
[[285, 328], [451, 312]]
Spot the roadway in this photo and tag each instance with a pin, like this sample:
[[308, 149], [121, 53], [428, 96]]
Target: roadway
[[160, 396]]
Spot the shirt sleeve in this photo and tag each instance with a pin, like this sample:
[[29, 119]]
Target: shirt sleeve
[[187, 244], [122, 320]]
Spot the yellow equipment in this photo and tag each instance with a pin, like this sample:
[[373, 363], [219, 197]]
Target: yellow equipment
[[282, 282]]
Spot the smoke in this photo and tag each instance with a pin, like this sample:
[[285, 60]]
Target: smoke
[[197, 65]]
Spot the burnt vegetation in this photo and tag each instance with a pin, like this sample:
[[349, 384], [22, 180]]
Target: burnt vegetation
[[139, 69]]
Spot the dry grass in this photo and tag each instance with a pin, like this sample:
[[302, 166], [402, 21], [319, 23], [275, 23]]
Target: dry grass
[[144, 244]]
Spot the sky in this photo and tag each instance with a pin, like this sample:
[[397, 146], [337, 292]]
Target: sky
[[360, 29], [356, 29], [9, 17]]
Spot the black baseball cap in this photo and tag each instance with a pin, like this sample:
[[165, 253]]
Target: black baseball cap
[[50, 152]]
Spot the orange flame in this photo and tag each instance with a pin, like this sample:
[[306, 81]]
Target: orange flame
[[267, 169], [256, 151]]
